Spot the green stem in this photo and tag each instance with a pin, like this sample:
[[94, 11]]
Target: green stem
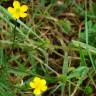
[[14, 34]]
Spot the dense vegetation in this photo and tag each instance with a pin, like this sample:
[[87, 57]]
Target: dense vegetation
[[55, 42]]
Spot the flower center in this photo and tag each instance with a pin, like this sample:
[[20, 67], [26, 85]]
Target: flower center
[[18, 10], [39, 86]]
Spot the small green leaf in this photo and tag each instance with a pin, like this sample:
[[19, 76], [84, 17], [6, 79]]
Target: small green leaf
[[65, 25], [88, 90], [79, 72], [63, 78]]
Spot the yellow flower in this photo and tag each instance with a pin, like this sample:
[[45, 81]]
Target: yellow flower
[[18, 11], [39, 85]]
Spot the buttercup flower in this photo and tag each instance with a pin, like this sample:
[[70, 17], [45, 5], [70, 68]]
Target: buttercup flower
[[39, 85], [18, 11]]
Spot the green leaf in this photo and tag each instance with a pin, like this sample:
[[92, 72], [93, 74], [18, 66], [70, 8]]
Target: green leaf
[[63, 78], [65, 25], [79, 72], [88, 90]]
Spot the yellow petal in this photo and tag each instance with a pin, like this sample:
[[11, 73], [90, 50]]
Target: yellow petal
[[44, 88], [36, 79], [23, 15], [16, 4], [11, 10], [43, 82], [32, 85], [37, 92], [24, 8], [17, 16]]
